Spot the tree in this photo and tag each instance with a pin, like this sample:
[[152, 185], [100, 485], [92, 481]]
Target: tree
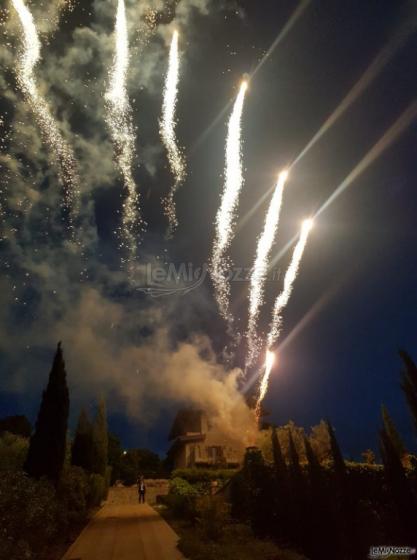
[[100, 441], [393, 432], [320, 442], [115, 453], [279, 462], [369, 457], [47, 446], [399, 489], [409, 384], [82, 446], [339, 466], [18, 425]]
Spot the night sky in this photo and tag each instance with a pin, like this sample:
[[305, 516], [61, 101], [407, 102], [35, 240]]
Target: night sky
[[355, 297]]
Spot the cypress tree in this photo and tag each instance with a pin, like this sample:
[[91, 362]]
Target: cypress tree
[[279, 462], [297, 507], [339, 466], [392, 431], [100, 440], [47, 448], [409, 384], [82, 446], [399, 489]]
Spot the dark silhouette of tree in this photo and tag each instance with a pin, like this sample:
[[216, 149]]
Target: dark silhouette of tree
[[297, 506], [82, 446], [100, 440], [404, 525], [47, 446], [392, 431], [17, 425], [259, 487], [409, 384], [279, 463], [339, 466]]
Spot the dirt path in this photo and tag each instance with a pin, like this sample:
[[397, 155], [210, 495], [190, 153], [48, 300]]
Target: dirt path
[[126, 532]]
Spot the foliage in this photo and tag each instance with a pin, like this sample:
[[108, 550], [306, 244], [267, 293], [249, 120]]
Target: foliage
[[82, 446], [204, 475], [182, 498], [115, 457], [13, 451], [29, 515], [18, 425], [97, 489], [213, 514], [318, 438], [409, 384], [73, 492], [392, 432], [237, 542], [100, 441], [47, 447], [137, 462]]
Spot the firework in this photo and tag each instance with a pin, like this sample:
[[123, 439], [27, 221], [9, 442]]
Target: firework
[[263, 388], [260, 268], [290, 276], [167, 130], [30, 57], [119, 120], [225, 219]]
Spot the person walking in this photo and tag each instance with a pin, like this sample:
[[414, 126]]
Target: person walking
[[141, 489]]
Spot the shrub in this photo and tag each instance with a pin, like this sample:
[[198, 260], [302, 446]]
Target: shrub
[[73, 493], [204, 475], [97, 490], [29, 513], [13, 451], [181, 499], [212, 515]]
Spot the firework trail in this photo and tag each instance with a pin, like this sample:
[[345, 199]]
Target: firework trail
[[260, 268], [119, 121], [225, 219], [263, 388], [290, 276], [30, 57], [279, 306], [167, 130]]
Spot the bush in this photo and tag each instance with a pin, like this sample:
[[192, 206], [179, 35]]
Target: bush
[[73, 493], [181, 499], [97, 490], [29, 513], [212, 515], [13, 451], [204, 475], [238, 542]]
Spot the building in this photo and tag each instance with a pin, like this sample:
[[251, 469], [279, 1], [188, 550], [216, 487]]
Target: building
[[196, 443]]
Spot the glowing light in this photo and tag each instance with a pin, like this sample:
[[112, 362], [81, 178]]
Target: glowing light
[[167, 130], [263, 388], [119, 120], [290, 276], [225, 219], [30, 57], [260, 268]]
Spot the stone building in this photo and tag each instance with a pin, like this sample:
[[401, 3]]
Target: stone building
[[196, 443]]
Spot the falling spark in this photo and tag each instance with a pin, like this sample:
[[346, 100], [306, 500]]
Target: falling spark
[[290, 276], [263, 388], [279, 306], [30, 57], [260, 268], [225, 219], [167, 130], [119, 120]]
